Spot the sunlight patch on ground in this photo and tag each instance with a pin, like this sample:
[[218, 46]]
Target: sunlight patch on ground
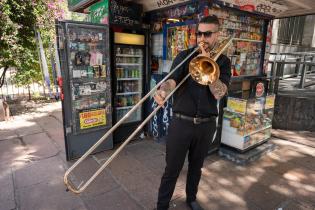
[[281, 189], [231, 197], [294, 176], [16, 124]]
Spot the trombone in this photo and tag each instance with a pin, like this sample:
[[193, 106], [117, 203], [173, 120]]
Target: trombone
[[202, 69]]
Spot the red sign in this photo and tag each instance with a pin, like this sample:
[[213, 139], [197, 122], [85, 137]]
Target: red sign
[[260, 89]]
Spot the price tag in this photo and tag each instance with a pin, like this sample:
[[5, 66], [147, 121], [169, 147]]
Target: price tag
[[270, 102]]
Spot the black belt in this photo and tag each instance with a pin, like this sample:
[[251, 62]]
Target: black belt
[[195, 120]]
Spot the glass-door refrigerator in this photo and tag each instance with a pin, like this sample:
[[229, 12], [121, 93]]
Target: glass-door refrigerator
[[129, 81], [86, 85]]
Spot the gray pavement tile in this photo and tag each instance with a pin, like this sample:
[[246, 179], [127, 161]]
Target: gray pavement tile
[[145, 148], [216, 196], [32, 128], [7, 199], [103, 183], [11, 151], [136, 179], [48, 195], [293, 146], [58, 137], [39, 146], [48, 122], [264, 197], [116, 199], [7, 134], [58, 115], [39, 171], [296, 204]]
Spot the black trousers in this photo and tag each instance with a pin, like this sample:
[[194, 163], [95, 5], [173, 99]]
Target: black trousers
[[184, 136]]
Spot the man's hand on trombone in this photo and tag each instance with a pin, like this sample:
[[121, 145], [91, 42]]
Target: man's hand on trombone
[[164, 90]]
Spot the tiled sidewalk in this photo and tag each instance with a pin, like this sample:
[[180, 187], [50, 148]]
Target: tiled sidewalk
[[32, 165]]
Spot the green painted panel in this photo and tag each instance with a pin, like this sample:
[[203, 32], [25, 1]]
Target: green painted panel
[[98, 12]]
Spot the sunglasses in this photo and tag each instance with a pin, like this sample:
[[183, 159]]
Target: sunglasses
[[206, 34]]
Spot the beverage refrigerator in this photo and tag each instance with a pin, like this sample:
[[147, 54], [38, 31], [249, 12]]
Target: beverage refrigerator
[[129, 74], [84, 54]]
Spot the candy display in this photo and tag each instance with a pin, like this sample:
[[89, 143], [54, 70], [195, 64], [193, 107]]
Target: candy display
[[247, 122]]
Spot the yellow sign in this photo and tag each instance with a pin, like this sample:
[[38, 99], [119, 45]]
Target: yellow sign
[[236, 105], [92, 119], [270, 102]]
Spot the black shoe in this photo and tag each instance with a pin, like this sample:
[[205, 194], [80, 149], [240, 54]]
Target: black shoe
[[194, 205]]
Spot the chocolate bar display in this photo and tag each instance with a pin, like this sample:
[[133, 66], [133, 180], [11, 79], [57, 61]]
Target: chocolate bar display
[[247, 123]]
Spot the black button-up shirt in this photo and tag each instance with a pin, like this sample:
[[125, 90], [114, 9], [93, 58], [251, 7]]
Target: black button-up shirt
[[193, 99]]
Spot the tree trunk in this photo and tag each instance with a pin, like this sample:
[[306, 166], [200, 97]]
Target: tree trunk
[[29, 92], [2, 77]]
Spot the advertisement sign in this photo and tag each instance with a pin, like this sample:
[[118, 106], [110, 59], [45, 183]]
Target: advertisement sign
[[236, 105], [260, 89], [98, 12], [262, 6], [125, 13], [92, 118], [149, 5], [270, 102]]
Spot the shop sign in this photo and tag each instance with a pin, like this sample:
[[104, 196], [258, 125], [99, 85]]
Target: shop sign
[[91, 119], [75, 5], [270, 102], [98, 12], [128, 13], [260, 89], [149, 5], [262, 6], [236, 105]]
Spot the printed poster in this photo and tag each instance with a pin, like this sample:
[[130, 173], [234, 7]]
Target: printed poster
[[91, 119]]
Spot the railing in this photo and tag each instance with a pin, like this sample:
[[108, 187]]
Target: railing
[[302, 63], [11, 91]]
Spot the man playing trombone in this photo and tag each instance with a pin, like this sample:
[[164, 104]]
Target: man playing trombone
[[194, 119]]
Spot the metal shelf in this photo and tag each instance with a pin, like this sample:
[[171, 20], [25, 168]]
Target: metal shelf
[[128, 55], [129, 64], [124, 79], [124, 107], [128, 93], [257, 131]]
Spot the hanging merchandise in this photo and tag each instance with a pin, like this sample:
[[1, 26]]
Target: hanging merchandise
[[246, 51]]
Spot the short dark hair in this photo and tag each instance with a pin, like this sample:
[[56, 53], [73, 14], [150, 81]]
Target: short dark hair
[[209, 19]]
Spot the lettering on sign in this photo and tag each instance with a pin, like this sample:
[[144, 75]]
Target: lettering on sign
[[125, 14], [150, 5]]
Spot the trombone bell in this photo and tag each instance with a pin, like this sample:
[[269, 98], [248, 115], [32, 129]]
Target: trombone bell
[[204, 70]]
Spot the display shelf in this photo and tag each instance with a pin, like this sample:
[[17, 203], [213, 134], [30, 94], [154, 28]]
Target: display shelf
[[127, 79], [239, 29], [257, 131], [247, 23], [128, 55], [129, 64], [124, 107], [127, 93], [242, 39]]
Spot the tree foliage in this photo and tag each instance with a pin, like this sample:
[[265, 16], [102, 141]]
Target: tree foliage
[[19, 21]]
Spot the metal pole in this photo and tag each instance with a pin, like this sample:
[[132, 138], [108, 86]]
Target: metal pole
[[302, 80], [278, 70]]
